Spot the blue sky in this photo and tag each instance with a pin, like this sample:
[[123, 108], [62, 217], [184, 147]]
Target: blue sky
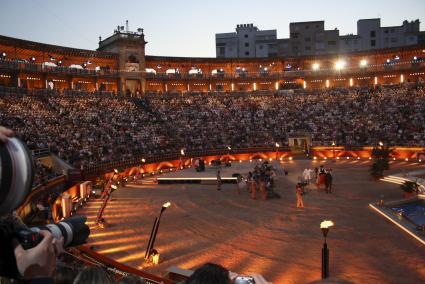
[[186, 28]]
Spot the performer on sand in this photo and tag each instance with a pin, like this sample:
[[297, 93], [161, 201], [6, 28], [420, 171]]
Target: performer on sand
[[218, 180], [299, 191]]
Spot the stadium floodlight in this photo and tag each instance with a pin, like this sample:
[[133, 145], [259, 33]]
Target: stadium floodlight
[[340, 64], [316, 66], [363, 63]]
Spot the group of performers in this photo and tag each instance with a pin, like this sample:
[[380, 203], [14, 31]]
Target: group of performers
[[262, 180], [322, 176]]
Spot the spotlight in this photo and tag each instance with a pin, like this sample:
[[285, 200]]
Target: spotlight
[[314, 158], [290, 158], [143, 160], [340, 64]]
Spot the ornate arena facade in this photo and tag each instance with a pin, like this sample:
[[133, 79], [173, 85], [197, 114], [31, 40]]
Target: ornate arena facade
[[121, 66], [273, 238]]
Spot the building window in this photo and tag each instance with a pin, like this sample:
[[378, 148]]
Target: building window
[[247, 53], [392, 31], [245, 36], [307, 39], [307, 27], [221, 51], [307, 48], [372, 33], [261, 47], [394, 39], [294, 35], [246, 44], [373, 42], [386, 31], [331, 42]]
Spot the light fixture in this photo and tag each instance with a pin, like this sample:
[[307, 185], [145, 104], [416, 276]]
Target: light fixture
[[363, 63], [143, 160], [340, 64], [381, 143], [150, 248], [277, 145], [324, 226], [315, 66]]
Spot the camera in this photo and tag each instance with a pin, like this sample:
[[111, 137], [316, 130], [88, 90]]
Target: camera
[[16, 176], [244, 280], [73, 230]]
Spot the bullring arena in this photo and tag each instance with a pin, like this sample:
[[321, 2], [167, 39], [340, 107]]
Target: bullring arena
[[270, 237], [115, 135]]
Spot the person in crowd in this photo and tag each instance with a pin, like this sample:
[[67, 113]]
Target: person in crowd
[[299, 194], [210, 273], [218, 180], [131, 279], [328, 181], [93, 275]]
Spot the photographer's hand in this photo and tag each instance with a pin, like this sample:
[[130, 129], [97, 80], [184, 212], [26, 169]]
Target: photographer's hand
[[4, 133], [39, 261]]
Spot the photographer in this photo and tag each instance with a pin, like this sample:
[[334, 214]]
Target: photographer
[[34, 265]]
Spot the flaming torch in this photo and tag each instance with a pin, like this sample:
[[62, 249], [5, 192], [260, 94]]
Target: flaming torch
[[324, 226]]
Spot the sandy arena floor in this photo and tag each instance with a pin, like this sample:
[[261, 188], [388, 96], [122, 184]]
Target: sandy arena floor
[[271, 237]]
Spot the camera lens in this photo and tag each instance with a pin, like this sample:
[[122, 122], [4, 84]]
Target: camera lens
[[16, 174], [73, 230]]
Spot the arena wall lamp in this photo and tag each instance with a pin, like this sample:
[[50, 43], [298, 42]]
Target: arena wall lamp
[[150, 251], [324, 226], [277, 148], [333, 149], [181, 158]]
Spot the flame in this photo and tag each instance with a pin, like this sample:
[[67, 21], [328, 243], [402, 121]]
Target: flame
[[326, 224]]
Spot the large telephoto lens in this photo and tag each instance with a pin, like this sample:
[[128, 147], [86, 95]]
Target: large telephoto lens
[[16, 174], [73, 230]]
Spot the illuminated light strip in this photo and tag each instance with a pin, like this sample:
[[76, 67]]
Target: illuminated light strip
[[398, 224], [202, 178]]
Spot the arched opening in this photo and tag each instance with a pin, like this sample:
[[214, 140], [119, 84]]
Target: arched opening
[[241, 72], [219, 73], [195, 72], [76, 66], [173, 72], [132, 59], [150, 71]]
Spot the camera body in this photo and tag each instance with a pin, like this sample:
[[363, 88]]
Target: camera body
[[16, 176], [244, 280]]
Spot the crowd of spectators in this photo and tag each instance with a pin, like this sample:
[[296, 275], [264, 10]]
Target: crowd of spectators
[[87, 129]]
